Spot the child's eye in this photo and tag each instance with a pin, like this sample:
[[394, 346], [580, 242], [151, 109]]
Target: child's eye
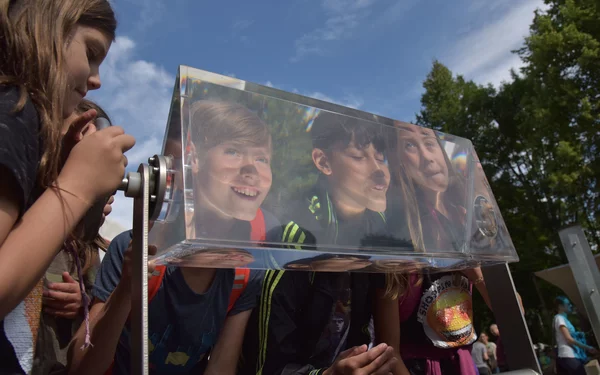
[[231, 151], [93, 55], [430, 144], [357, 157], [263, 160], [409, 145]]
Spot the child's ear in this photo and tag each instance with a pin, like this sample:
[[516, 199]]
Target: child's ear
[[195, 163], [321, 161]]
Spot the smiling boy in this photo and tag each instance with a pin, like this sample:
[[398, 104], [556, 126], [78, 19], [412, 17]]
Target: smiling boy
[[191, 316]]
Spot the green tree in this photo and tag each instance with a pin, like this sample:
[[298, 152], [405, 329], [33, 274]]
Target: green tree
[[537, 137]]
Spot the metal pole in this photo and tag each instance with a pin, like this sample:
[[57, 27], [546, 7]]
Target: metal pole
[[516, 340], [139, 287], [585, 272]]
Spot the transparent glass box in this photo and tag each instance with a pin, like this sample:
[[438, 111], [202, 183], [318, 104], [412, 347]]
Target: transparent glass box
[[268, 179]]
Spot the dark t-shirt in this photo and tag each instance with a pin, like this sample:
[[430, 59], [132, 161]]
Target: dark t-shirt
[[334, 337], [20, 154], [183, 325]]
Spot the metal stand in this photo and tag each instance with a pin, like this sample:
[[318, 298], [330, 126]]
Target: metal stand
[[585, 272], [147, 186], [518, 348]]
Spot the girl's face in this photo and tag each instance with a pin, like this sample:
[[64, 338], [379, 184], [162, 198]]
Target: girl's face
[[86, 49], [234, 179], [423, 157]]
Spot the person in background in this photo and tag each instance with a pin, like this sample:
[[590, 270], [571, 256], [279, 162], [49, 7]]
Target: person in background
[[493, 361], [480, 356], [500, 357], [62, 304], [572, 346]]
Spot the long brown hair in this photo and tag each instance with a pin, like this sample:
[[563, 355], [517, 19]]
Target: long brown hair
[[397, 284], [33, 36]]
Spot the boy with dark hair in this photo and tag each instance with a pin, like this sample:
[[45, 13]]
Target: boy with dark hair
[[290, 332]]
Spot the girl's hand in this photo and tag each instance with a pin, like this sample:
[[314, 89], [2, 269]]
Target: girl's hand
[[76, 132], [107, 209], [127, 259], [64, 299], [96, 164]]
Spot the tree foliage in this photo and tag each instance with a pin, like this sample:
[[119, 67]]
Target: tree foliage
[[538, 139]]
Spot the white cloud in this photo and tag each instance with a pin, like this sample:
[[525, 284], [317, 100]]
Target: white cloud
[[343, 16], [136, 94], [150, 12], [484, 54]]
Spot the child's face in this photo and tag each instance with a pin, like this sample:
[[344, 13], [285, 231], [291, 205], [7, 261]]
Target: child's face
[[235, 179], [360, 175], [423, 157], [84, 53]]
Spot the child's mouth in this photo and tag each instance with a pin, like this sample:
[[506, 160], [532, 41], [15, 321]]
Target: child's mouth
[[246, 192]]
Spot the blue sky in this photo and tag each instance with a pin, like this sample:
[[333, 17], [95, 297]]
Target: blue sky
[[368, 54]]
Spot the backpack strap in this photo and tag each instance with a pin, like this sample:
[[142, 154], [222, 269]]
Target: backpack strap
[[240, 281], [154, 283], [258, 231], [239, 285]]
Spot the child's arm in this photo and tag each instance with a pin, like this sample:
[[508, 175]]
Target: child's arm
[[386, 321], [109, 312], [224, 357], [107, 320], [28, 245]]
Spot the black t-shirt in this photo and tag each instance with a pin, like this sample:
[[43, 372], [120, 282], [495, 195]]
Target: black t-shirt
[[20, 144], [20, 154], [333, 339]]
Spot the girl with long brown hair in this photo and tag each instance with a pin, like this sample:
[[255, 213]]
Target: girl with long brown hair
[[50, 53], [431, 312]]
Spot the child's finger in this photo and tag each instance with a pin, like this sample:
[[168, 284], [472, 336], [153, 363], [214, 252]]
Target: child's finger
[[67, 278], [62, 296], [82, 120], [74, 132], [65, 287], [60, 305]]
